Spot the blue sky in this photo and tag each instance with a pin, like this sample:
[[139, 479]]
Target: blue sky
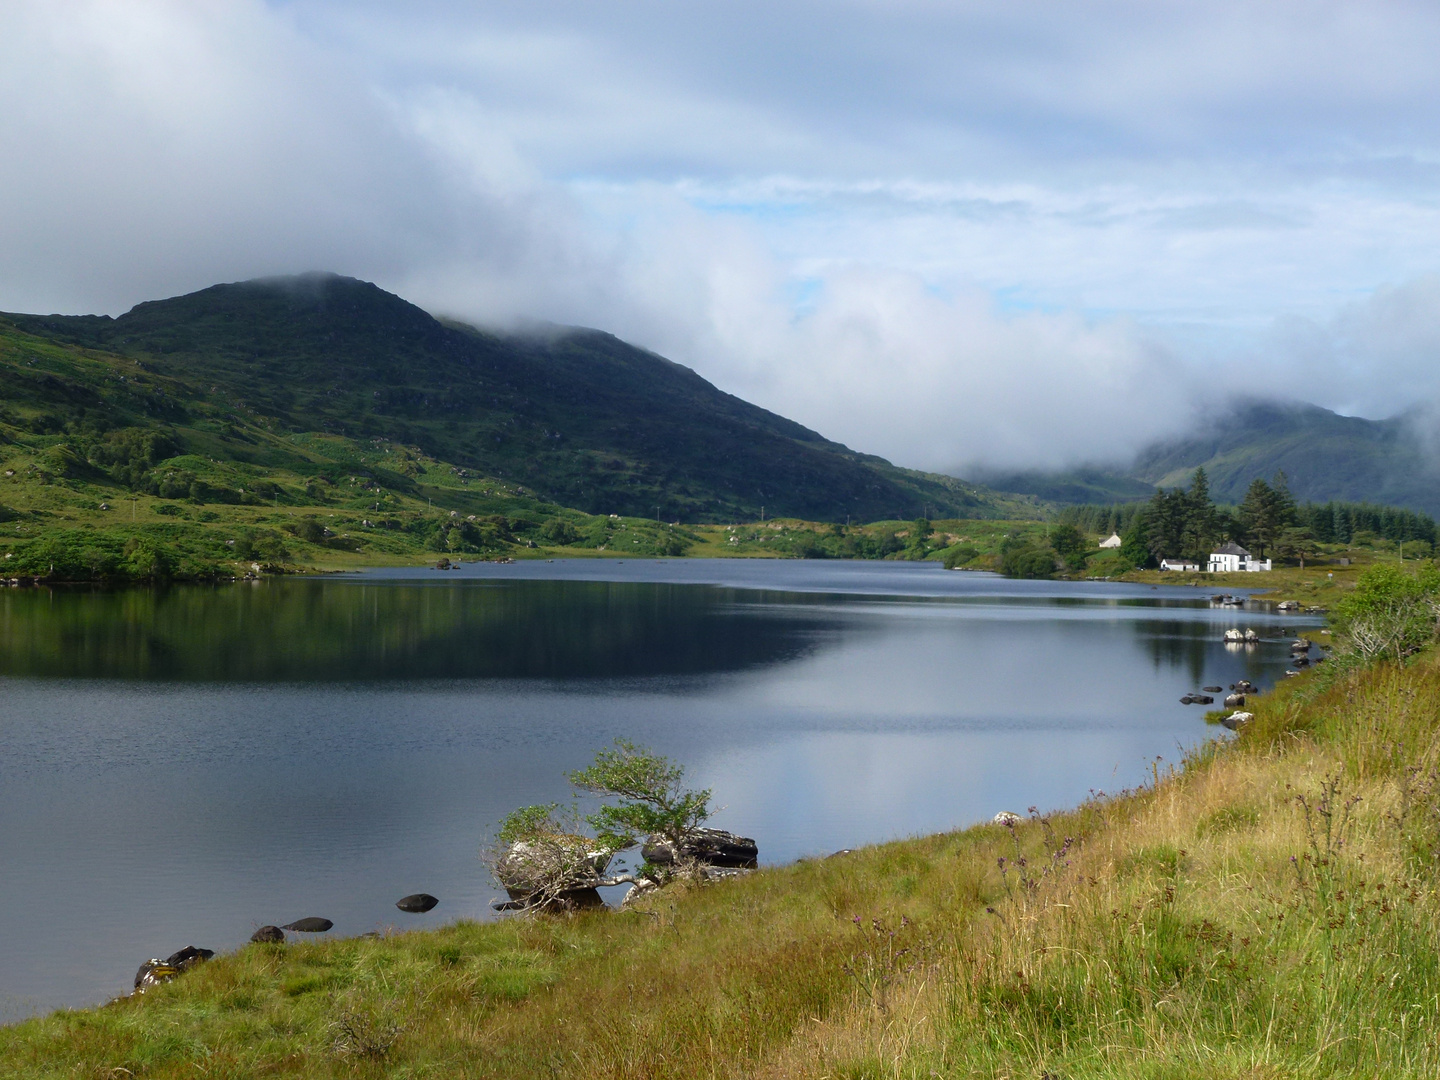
[[1023, 234]]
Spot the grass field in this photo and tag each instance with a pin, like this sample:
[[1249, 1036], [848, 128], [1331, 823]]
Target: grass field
[[1266, 909]]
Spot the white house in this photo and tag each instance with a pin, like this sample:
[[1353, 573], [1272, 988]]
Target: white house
[[1180, 564], [1231, 558], [1111, 541]]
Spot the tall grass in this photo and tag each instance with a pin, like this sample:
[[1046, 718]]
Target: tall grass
[[1266, 909]]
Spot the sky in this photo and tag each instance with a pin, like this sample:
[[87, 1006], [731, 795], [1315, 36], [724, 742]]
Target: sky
[[1018, 235]]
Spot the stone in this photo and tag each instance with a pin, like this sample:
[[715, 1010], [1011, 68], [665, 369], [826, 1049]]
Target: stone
[[152, 973], [1236, 720], [156, 971], [268, 935], [1006, 817], [417, 903], [312, 925], [188, 957], [1213, 689], [709, 847], [560, 870], [1234, 701]]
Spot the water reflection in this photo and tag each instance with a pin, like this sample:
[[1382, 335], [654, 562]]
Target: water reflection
[[318, 631], [178, 767]]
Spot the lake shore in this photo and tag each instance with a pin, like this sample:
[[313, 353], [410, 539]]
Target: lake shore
[[1266, 905]]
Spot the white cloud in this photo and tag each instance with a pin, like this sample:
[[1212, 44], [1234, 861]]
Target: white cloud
[[936, 232]]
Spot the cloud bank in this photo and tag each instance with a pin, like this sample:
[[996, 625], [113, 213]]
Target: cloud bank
[[943, 233]]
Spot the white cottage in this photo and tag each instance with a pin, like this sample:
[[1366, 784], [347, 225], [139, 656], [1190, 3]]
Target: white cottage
[[1180, 564], [1111, 541], [1231, 558]]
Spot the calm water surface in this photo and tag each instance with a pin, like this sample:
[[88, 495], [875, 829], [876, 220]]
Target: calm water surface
[[180, 767]]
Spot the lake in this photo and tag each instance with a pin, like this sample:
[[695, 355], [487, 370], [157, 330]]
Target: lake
[[181, 766]]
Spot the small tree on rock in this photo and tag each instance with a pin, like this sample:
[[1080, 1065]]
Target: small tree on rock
[[650, 799]]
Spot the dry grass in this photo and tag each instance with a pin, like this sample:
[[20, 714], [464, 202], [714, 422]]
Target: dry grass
[[1267, 910]]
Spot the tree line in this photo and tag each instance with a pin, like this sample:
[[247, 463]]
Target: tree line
[[1187, 523]]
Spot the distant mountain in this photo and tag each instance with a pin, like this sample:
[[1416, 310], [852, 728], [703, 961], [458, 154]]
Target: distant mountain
[[1324, 456], [577, 415]]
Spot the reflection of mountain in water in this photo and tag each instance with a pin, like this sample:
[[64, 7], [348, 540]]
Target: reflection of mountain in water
[[321, 631]]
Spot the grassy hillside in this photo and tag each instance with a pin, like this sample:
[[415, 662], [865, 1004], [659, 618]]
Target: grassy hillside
[[577, 416], [1268, 909], [118, 466]]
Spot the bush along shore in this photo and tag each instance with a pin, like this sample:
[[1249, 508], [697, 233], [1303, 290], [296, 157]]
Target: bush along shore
[[1266, 908]]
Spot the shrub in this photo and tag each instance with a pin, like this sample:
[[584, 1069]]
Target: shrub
[[959, 555], [560, 532], [1392, 612]]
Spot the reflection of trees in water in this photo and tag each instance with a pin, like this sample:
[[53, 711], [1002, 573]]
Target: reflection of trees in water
[[1178, 644], [318, 630], [1199, 648]]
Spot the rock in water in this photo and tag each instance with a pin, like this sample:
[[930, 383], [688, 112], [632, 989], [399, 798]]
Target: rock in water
[[1213, 689], [311, 925], [269, 935], [1234, 701], [709, 847], [417, 903]]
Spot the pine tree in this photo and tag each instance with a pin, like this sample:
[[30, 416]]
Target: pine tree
[[1284, 501], [1259, 515], [1165, 523], [1200, 518]]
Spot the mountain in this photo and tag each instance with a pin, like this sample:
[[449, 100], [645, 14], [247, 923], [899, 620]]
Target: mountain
[[577, 415], [1324, 456]]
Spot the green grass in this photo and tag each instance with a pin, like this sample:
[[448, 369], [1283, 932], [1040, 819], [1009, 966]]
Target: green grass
[[1267, 909]]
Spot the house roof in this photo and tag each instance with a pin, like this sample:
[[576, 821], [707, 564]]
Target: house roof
[[1230, 548]]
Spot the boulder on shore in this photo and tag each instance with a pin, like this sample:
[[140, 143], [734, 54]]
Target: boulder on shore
[[268, 935], [417, 903], [1236, 720], [556, 870], [155, 971], [708, 847]]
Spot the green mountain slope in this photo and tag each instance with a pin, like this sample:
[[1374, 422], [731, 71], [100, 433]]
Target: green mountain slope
[[1324, 455], [578, 416]]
